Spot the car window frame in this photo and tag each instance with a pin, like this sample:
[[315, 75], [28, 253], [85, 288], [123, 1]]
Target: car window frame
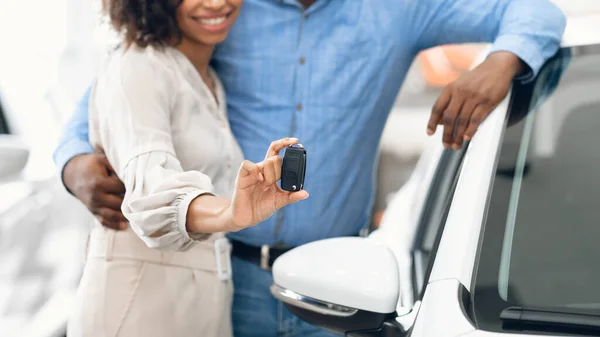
[[433, 217]]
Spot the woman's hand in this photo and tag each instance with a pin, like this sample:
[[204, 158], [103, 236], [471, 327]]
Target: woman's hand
[[257, 195]]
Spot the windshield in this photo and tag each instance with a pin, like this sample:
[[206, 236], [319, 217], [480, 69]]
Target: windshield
[[541, 242]]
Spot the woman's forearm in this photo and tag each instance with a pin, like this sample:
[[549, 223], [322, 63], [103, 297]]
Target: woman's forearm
[[209, 214]]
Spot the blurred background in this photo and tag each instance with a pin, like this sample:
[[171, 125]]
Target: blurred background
[[43, 229]]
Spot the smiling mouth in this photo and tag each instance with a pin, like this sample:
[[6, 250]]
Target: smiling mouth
[[214, 21]]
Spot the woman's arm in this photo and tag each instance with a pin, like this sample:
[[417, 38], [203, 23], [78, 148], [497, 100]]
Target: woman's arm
[[162, 202], [131, 117], [257, 196]]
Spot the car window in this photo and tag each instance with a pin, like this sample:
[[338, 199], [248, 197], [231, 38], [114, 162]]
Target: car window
[[540, 248], [4, 128]]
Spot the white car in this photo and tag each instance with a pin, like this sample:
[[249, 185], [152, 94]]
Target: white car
[[42, 228], [499, 238]]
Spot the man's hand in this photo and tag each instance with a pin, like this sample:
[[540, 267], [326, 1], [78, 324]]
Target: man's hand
[[465, 103], [93, 181]]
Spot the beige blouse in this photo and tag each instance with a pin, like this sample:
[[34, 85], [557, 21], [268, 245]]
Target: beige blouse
[[167, 138]]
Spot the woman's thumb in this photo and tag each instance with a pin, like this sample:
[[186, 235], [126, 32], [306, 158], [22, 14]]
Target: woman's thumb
[[293, 197]]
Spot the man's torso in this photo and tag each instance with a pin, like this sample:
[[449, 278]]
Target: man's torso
[[329, 76]]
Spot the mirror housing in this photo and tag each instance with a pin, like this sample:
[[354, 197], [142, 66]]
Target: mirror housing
[[347, 286], [13, 154]]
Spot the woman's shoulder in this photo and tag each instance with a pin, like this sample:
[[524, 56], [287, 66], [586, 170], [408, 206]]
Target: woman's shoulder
[[137, 73], [135, 62]]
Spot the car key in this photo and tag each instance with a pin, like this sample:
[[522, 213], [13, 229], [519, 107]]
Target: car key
[[293, 168]]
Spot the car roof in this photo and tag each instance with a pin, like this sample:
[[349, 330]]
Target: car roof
[[583, 22]]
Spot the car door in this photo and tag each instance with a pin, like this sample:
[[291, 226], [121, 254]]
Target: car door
[[42, 242]]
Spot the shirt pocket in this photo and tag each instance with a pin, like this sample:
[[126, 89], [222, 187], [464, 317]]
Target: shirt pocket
[[343, 78], [345, 69]]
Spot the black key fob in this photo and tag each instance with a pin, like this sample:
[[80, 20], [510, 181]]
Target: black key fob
[[293, 168]]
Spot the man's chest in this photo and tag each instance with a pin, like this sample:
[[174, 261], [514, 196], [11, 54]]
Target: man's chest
[[327, 55]]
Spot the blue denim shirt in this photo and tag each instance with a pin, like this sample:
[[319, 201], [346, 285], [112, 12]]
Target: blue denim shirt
[[329, 76]]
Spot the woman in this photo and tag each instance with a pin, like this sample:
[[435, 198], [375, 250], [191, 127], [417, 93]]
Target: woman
[[158, 113]]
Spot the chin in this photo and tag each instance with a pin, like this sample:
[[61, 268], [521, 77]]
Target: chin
[[212, 40], [216, 41]]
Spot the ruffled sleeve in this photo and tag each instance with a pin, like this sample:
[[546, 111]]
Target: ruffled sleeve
[[158, 195], [130, 116]]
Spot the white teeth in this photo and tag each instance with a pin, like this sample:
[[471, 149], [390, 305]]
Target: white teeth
[[213, 21]]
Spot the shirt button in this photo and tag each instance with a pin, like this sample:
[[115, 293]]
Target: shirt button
[[302, 60], [306, 16], [299, 107]]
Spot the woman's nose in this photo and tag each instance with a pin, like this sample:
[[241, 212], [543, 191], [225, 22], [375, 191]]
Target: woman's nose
[[214, 4]]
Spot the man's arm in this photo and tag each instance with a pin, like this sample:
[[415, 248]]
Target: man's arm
[[530, 29], [524, 35], [74, 140], [88, 175]]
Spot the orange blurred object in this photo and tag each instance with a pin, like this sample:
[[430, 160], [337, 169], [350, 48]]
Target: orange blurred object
[[377, 219], [442, 65]]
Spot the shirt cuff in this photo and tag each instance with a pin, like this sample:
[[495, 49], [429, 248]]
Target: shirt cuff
[[67, 151], [526, 49], [182, 211]]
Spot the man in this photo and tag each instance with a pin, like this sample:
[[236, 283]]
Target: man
[[327, 72]]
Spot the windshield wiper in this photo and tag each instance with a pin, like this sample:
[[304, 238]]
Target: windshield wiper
[[548, 320]]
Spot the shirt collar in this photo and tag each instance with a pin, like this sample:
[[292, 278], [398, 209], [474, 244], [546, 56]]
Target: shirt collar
[[296, 3]]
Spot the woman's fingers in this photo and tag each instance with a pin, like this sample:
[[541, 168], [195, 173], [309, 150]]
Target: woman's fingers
[[249, 174], [271, 168], [279, 145], [268, 171], [277, 165], [297, 196], [286, 198], [248, 168]]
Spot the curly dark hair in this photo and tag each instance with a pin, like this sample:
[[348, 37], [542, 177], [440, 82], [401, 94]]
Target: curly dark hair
[[145, 22]]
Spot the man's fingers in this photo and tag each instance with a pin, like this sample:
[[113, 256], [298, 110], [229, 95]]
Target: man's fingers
[[476, 119], [462, 122], [113, 201], [449, 119], [436, 112], [109, 184], [111, 218], [101, 200], [102, 158], [279, 145]]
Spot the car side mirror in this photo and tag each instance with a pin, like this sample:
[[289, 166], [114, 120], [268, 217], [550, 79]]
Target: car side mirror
[[347, 286], [13, 156]]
